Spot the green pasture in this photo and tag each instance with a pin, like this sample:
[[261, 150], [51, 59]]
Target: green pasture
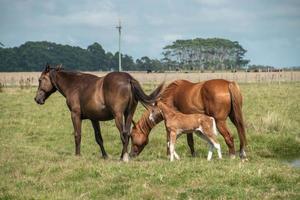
[[37, 158]]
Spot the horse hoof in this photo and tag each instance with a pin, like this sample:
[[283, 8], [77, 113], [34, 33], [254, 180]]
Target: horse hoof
[[232, 156], [105, 157], [245, 160], [125, 157], [193, 154]]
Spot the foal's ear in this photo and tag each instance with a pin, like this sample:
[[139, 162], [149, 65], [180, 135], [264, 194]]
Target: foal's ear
[[58, 67], [134, 124]]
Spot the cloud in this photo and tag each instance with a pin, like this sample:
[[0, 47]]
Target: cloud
[[172, 37], [150, 25]]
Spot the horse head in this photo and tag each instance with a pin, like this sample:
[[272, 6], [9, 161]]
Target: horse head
[[46, 86], [138, 140]]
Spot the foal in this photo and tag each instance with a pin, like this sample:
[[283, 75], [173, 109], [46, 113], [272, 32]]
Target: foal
[[178, 123]]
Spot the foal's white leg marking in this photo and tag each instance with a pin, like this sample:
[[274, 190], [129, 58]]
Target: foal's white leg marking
[[172, 149], [218, 147], [210, 152], [176, 155]]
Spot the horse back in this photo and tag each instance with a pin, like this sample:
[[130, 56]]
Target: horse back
[[211, 97]]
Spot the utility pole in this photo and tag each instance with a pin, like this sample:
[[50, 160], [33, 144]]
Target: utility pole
[[119, 28]]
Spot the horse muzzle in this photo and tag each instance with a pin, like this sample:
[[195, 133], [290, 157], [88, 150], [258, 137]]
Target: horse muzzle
[[133, 154], [39, 101]]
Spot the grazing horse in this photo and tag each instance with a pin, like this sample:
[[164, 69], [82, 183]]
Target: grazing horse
[[217, 98], [177, 123], [114, 96]]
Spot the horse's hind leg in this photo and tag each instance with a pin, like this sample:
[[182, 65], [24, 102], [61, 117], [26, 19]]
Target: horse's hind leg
[[240, 128], [210, 151], [224, 131], [98, 137], [124, 136]]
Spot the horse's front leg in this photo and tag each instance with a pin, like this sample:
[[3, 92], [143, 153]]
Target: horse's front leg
[[75, 115], [190, 141], [172, 145]]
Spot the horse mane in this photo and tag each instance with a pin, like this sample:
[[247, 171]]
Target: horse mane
[[167, 92], [145, 124]]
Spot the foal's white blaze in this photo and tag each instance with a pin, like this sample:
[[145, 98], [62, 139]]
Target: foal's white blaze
[[151, 117]]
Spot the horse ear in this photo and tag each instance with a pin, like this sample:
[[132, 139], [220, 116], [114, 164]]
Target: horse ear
[[134, 124], [47, 67], [58, 67]]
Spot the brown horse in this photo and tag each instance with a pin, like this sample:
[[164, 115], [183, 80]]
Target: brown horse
[[114, 96], [216, 98]]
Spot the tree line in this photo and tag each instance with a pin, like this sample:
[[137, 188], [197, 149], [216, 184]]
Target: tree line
[[197, 54], [200, 54]]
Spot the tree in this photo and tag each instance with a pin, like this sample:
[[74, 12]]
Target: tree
[[199, 53]]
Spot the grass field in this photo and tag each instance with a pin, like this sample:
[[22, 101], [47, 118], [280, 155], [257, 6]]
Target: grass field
[[37, 154]]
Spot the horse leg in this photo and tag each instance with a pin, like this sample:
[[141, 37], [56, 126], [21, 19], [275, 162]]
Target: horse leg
[[77, 130], [214, 144], [168, 142], [218, 147], [240, 128], [210, 151], [172, 145], [124, 136], [190, 141], [98, 137], [128, 120], [224, 131]]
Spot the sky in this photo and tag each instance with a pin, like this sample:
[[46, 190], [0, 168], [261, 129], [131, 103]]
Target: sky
[[268, 29]]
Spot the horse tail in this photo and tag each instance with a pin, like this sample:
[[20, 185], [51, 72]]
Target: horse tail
[[140, 95], [236, 112]]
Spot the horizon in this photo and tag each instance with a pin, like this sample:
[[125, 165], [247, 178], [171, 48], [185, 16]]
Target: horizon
[[270, 32]]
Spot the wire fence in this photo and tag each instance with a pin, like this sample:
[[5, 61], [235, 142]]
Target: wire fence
[[28, 79]]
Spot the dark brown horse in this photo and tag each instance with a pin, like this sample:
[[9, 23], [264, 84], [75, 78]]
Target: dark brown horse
[[217, 98], [114, 96]]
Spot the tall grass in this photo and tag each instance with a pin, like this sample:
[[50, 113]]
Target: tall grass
[[37, 154]]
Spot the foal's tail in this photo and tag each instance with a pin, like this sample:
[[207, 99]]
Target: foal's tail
[[140, 95], [236, 112]]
